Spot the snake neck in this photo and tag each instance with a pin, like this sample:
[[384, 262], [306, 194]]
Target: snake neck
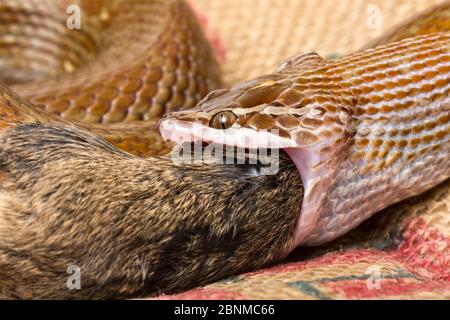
[[132, 226]]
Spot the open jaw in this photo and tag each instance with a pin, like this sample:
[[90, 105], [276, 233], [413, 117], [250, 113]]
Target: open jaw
[[305, 159], [180, 131]]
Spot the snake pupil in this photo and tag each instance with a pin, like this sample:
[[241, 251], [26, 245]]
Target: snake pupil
[[223, 120]]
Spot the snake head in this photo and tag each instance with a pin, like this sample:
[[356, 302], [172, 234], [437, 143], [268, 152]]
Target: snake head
[[233, 116], [307, 113]]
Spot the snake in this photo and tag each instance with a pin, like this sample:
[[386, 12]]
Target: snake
[[363, 131], [112, 70]]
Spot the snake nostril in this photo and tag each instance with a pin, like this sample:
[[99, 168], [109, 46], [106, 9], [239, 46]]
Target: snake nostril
[[223, 120]]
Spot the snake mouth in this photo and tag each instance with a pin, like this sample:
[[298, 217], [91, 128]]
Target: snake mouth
[[180, 131]]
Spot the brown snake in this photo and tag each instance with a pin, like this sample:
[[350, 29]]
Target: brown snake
[[365, 131]]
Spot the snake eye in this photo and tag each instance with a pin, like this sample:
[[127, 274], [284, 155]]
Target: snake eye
[[223, 120]]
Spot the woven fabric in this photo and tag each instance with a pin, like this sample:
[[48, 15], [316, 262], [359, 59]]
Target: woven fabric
[[403, 251]]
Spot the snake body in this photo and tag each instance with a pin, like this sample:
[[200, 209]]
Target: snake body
[[364, 131]]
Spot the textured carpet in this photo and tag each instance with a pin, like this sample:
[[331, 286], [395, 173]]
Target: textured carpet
[[403, 251]]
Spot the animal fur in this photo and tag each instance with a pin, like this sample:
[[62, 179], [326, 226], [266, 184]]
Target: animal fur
[[133, 226]]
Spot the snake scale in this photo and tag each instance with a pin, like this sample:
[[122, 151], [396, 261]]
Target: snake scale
[[79, 115]]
